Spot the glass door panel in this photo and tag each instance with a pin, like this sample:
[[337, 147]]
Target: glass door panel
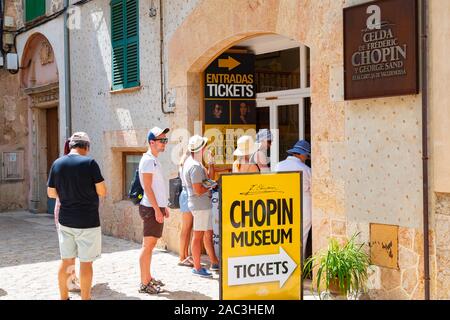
[[288, 126], [262, 118]]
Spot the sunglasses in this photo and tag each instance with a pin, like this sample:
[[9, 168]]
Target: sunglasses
[[163, 140]]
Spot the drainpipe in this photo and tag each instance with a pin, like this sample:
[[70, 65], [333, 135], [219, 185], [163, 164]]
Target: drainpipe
[[1, 27], [161, 56], [426, 240], [67, 90]]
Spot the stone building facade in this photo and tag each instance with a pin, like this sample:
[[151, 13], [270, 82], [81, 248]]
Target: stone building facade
[[367, 154]]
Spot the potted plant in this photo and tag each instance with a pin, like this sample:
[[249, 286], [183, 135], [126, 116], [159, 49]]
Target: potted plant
[[341, 269]]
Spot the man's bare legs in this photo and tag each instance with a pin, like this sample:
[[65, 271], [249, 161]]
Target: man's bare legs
[[209, 246], [64, 275], [86, 275], [148, 244], [197, 248]]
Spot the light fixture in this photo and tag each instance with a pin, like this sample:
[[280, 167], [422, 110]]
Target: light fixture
[[12, 62], [152, 12]]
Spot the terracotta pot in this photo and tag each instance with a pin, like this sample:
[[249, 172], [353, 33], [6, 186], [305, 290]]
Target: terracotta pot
[[335, 290]]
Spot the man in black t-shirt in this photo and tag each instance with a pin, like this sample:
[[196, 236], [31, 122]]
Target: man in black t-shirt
[[77, 181]]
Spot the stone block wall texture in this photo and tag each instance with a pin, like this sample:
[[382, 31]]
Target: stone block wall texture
[[367, 164], [14, 8], [367, 154], [13, 137], [118, 122]]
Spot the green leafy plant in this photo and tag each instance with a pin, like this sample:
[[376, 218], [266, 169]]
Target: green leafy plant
[[341, 269]]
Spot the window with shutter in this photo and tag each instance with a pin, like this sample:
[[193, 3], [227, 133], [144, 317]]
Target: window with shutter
[[125, 43], [34, 9]]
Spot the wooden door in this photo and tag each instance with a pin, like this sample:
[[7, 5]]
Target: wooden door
[[52, 136], [52, 146]]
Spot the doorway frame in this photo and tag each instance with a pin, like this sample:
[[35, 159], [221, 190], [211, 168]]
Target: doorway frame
[[274, 99], [40, 99]]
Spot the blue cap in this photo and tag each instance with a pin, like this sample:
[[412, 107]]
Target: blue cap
[[264, 135], [301, 147], [155, 132]]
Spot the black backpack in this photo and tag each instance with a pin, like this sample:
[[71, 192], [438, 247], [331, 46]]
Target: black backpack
[[175, 188], [136, 192]]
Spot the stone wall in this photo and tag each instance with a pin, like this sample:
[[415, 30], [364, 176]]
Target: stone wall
[[14, 8], [442, 259], [366, 154], [13, 137], [118, 122]]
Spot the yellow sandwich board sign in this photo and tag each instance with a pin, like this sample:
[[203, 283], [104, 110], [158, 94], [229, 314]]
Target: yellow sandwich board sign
[[261, 236]]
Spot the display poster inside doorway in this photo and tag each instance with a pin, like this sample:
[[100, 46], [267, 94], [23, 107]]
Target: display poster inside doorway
[[229, 106], [381, 49], [261, 236]]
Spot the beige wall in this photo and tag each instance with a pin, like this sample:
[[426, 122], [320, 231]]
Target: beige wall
[[439, 83], [439, 142], [367, 154], [13, 137], [13, 125]]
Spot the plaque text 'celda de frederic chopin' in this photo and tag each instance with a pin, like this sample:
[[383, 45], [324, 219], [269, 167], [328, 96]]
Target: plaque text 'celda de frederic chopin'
[[380, 56], [380, 49]]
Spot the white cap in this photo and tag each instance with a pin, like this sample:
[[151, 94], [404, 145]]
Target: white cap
[[80, 136], [196, 143], [155, 132], [245, 146]]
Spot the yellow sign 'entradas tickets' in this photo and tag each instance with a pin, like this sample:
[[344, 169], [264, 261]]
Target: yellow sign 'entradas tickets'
[[261, 236]]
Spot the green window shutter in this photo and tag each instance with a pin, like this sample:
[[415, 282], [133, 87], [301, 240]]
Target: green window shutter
[[132, 32], [118, 44], [125, 43], [34, 9]]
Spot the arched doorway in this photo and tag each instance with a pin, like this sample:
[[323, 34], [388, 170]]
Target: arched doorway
[[280, 100], [211, 28], [39, 80]]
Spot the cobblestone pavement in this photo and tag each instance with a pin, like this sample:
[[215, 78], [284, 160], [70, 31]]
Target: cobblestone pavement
[[29, 260]]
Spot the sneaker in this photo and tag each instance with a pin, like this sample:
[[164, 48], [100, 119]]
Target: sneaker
[[214, 267], [202, 272]]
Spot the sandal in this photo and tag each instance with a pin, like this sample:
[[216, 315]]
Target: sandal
[[158, 283], [186, 263], [149, 289]]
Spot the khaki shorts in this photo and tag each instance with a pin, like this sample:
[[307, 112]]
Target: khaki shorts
[[85, 244], [202, 220]]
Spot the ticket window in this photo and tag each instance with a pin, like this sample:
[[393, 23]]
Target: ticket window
[[282, 102]]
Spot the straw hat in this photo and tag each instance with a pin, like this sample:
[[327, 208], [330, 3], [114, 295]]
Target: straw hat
[[245, 146], [196, 143]]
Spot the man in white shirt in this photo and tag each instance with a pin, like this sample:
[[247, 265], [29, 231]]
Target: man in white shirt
[[153, 207], [296, 162]]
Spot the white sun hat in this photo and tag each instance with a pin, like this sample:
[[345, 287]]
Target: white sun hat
[[196, 143], [80, 137], [245, 146]]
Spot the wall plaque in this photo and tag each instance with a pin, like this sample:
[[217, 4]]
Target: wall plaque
[[384, 245], [381, 49]]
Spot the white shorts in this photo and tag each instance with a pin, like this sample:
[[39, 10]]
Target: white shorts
[[85, 244], [202, 220]]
